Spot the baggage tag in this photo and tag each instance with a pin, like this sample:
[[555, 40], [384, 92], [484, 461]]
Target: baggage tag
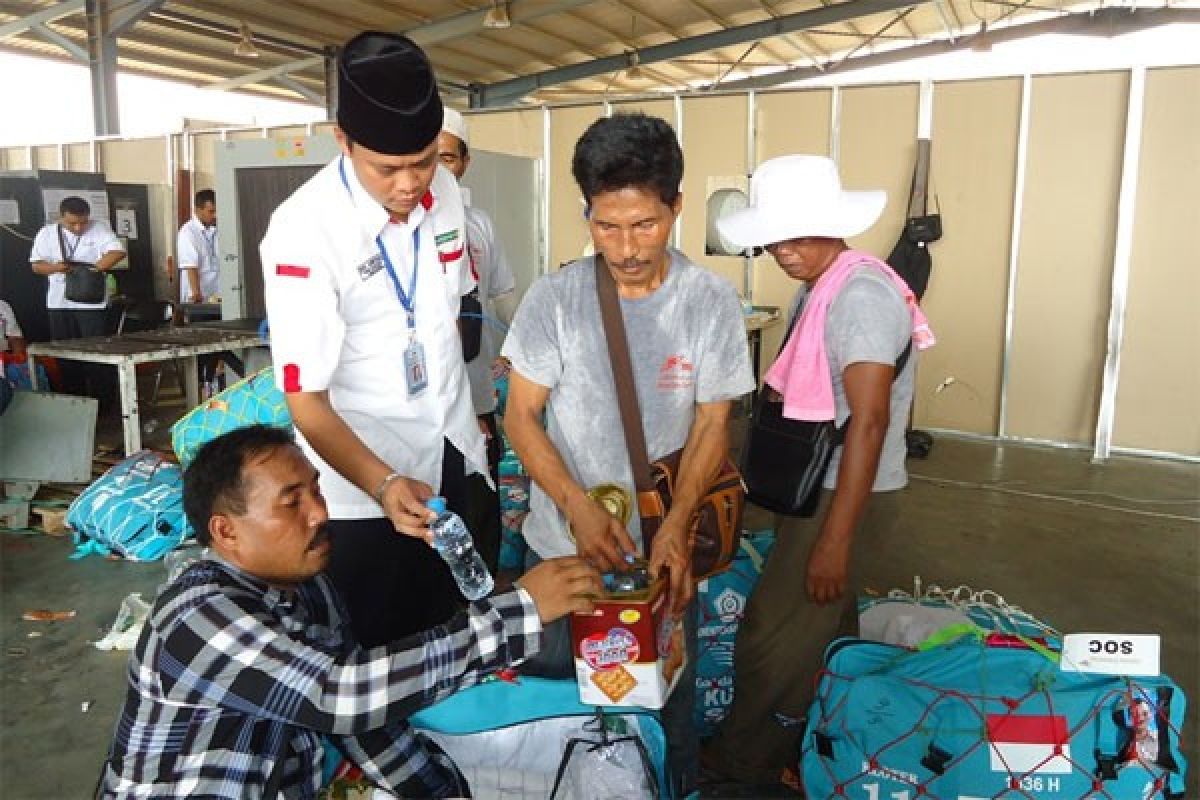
[[1111, 654], [416, 375]]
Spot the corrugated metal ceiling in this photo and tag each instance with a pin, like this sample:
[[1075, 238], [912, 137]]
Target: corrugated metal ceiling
[[194, 40]]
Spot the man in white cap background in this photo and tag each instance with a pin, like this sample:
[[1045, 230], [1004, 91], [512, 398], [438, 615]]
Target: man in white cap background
[[364, 270], [494, 277], [846, 359]]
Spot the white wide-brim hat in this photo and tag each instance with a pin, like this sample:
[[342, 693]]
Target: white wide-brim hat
[[792, 197]]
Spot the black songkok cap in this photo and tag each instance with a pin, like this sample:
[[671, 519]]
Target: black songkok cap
[[387, 95]]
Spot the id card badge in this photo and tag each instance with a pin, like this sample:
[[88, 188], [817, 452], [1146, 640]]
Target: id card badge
[[416, 375]]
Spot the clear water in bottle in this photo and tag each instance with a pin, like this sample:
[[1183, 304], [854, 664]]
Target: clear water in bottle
[[453, 542]]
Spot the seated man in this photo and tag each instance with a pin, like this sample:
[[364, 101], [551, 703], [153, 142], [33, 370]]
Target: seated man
[[247, 657]]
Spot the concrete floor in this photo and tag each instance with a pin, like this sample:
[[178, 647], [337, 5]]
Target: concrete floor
[[1076, 565]]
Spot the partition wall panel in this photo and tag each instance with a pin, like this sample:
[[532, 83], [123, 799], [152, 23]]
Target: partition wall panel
[[1158, 396], [568, 228], [974, 153], [1065, 257], [714, 145]]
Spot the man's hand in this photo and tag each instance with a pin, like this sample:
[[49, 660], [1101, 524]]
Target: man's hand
[[404, 504], [560, 586], [671, 551], [600, 538], [828, 568]]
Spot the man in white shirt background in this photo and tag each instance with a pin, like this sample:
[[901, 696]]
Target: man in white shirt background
[[199, 270], [84, 240], [494, 277], [363, 274]]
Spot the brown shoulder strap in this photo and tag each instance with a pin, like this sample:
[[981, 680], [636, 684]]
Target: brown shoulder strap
[[622, 369]]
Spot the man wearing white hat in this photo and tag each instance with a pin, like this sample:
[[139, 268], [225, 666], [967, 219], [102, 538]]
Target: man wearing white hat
[[846, 359], [494, 278]]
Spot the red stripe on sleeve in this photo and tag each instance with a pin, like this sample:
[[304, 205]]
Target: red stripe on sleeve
[[292, 271], [453, 255], [291, 378]]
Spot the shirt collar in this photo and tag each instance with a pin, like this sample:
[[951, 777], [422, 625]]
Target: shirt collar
[[374, 217], [273, 597]]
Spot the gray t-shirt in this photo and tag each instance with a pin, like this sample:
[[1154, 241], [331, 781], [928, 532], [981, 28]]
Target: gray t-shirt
[[869, 322], [687, 342]]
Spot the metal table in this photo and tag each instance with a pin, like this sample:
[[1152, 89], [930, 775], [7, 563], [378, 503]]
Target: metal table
[[760, 319], [125, 352]]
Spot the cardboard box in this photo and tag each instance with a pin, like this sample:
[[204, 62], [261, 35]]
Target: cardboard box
[[628, 652]]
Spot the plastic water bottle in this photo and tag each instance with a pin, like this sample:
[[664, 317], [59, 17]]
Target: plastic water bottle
[[453, 542]]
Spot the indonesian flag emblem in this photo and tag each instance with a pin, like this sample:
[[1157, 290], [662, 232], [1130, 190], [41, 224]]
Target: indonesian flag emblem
[[1023, 744]]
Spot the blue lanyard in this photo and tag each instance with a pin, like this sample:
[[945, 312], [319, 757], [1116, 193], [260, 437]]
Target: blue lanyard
[[407, 299]]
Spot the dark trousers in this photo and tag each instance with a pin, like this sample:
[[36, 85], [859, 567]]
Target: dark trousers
[[482, 514], [392, 584], [87, 380]]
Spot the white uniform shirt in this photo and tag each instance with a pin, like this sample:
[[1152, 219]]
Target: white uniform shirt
[[97, 240], [197, 246], [491, 272], [337, 324], [8, 326]]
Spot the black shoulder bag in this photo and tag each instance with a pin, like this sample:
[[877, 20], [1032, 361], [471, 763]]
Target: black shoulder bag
[[784, 461], [84, 283]]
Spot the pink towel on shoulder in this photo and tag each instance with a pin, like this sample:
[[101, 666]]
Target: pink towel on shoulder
[[801, 373]]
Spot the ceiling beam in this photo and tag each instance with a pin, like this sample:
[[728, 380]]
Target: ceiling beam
[[271, 73], [54, 37], [471, 22], [1111, 21], [287, 82], [50, 14], [509, 91]]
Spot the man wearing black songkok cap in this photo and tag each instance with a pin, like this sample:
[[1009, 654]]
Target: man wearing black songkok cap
[[364, 269]]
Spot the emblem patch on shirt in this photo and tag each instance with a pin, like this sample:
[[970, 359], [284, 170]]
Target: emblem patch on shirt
[[447, 237], [370, 267], [291, 271], [676, 372]]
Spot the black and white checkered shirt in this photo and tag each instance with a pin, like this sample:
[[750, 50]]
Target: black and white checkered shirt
[[231, 676]]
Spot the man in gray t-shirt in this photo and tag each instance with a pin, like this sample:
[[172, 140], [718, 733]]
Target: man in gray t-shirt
[[688, 348], [840, 365], [687, 344]]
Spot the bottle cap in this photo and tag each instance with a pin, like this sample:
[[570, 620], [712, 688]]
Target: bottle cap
[[436, 504]]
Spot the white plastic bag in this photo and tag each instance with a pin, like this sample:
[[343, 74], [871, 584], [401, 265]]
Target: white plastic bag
[[127, 627], [615, 768]]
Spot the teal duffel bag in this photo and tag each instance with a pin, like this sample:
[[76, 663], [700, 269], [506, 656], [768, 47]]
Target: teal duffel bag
[[253, 401], [987, 715]]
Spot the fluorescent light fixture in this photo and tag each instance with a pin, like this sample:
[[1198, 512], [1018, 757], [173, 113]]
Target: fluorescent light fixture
[[497, 15], [245, 46]]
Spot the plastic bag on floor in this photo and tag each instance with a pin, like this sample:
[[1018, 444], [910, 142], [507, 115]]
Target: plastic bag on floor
[[127, 627], [603, 767]]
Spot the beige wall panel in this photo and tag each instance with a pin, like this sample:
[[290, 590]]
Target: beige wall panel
[[785, 122], [792, 122], [654, 108], [1159, 391], [877, 146], [324, 127], [714, 145], [1064, 270], [15, 158], [79, 157], [135, 160], [975, 129], [517, 133], [252, 133], [204, 159], [568, 230], [46, 157]]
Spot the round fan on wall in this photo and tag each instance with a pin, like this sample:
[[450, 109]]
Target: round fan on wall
[[721, 203]]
